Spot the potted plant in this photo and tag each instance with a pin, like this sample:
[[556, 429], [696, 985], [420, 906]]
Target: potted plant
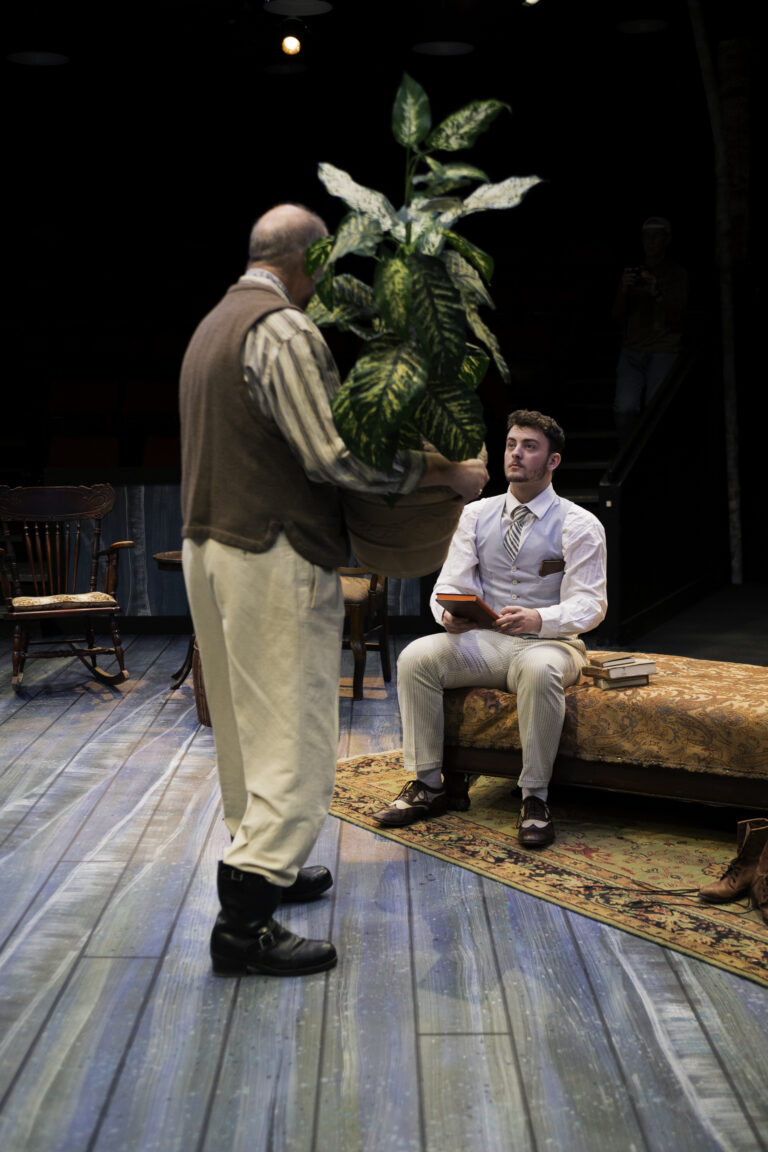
[[425, 345]]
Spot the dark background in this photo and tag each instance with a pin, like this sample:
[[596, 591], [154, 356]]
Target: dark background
[[134, 172]]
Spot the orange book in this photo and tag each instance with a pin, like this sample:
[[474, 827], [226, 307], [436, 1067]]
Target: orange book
[[471, 607]]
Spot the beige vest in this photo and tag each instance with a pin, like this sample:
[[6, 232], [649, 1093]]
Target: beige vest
[[240, 482]]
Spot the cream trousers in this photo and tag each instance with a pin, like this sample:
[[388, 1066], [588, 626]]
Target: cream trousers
[[268, 626], [537, 670]]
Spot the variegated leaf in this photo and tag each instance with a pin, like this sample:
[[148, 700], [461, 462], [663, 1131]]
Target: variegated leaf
[[451, 418], [392, 287], [467, 279], [324, 317], [324, 288], [461, 129], [359, 198], [357, 233], [348, 290], [444, 178], [473, 367], [455, 170], [437, 313], [436, 203], [430, 239], [506, 194], [410, 437], [476, 257], [317, 254], [411, 116], [382, 390], [483, 333]]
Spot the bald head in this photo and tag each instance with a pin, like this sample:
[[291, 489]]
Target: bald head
[[283, 235], [279, 242]]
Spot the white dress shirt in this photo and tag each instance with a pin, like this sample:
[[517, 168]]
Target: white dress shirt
[[583, 599]]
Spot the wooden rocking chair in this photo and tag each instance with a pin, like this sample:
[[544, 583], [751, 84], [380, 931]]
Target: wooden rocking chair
[[51, 538]]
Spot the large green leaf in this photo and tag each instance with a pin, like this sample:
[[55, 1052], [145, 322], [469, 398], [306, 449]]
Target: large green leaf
[[461, 129], [358, 234], [473, 367], [476, 257], [483, 333], [392, 287], [410, 437], [382, 390], [445, 178], [340, 316], [451, 418], [317, 254], [438, 315], [324, 288], [351, 292], [359, 198], [411, 117], [467, 279]]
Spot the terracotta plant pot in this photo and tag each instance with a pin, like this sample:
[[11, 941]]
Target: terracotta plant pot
[[407, 539]]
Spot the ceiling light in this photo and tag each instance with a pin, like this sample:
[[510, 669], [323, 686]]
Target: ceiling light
[[291, 45]]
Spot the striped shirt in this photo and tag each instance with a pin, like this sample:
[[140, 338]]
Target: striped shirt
[[292, 376]]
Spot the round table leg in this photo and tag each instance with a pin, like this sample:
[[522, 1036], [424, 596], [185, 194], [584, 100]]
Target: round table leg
[[178, 677]]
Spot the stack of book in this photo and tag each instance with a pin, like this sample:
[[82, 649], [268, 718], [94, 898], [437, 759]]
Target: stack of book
[[618, 670]]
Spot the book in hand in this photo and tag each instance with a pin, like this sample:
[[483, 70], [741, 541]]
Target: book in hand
[[636, 667], [624, 682], [470, 607]]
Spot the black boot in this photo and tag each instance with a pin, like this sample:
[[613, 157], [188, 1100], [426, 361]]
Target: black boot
[[245, 938], [309, 884]]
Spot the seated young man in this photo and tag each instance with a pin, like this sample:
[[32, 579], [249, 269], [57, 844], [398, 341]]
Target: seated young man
[[540, 562]]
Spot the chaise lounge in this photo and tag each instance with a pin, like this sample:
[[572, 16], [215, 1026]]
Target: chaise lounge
[[698, 731]]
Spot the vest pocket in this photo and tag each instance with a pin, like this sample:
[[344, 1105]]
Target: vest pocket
[[551, 567]]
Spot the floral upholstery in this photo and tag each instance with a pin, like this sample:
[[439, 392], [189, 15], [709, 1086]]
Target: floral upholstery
[[71, 600], [695, 715]]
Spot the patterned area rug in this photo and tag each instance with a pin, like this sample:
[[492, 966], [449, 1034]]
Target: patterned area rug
[[613, 860]]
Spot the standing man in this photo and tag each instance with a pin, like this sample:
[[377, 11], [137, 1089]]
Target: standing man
[[539, 562], [263, 536], [650, 307]]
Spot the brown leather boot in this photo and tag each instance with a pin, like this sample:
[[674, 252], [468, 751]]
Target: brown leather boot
[[760, 884], [751, 840]]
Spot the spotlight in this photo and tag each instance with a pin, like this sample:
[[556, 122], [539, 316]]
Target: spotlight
[[291, 45]]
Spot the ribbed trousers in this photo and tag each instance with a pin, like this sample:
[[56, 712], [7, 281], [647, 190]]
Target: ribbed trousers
[[536, 670], [268, 626]]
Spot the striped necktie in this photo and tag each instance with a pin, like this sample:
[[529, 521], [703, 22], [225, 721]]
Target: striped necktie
[[515, 530]]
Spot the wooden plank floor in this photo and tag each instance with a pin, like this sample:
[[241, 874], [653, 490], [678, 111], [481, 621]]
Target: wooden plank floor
[[462, 1015]]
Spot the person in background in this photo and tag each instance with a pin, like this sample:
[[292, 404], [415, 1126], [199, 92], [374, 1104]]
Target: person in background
[[650, 306]]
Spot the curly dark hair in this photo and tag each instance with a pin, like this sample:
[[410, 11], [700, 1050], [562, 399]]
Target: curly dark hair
[[528, 418]]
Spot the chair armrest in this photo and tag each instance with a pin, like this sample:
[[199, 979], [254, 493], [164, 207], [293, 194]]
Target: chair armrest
[[113, 547], [110, 571]]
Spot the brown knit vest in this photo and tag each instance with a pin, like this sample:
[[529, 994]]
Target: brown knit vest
[[241, 483]]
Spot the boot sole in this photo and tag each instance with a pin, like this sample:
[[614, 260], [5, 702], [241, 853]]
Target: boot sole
[[222, 967]]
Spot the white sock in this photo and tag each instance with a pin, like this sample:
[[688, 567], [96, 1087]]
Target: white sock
[[433, 778], [540, 792]]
